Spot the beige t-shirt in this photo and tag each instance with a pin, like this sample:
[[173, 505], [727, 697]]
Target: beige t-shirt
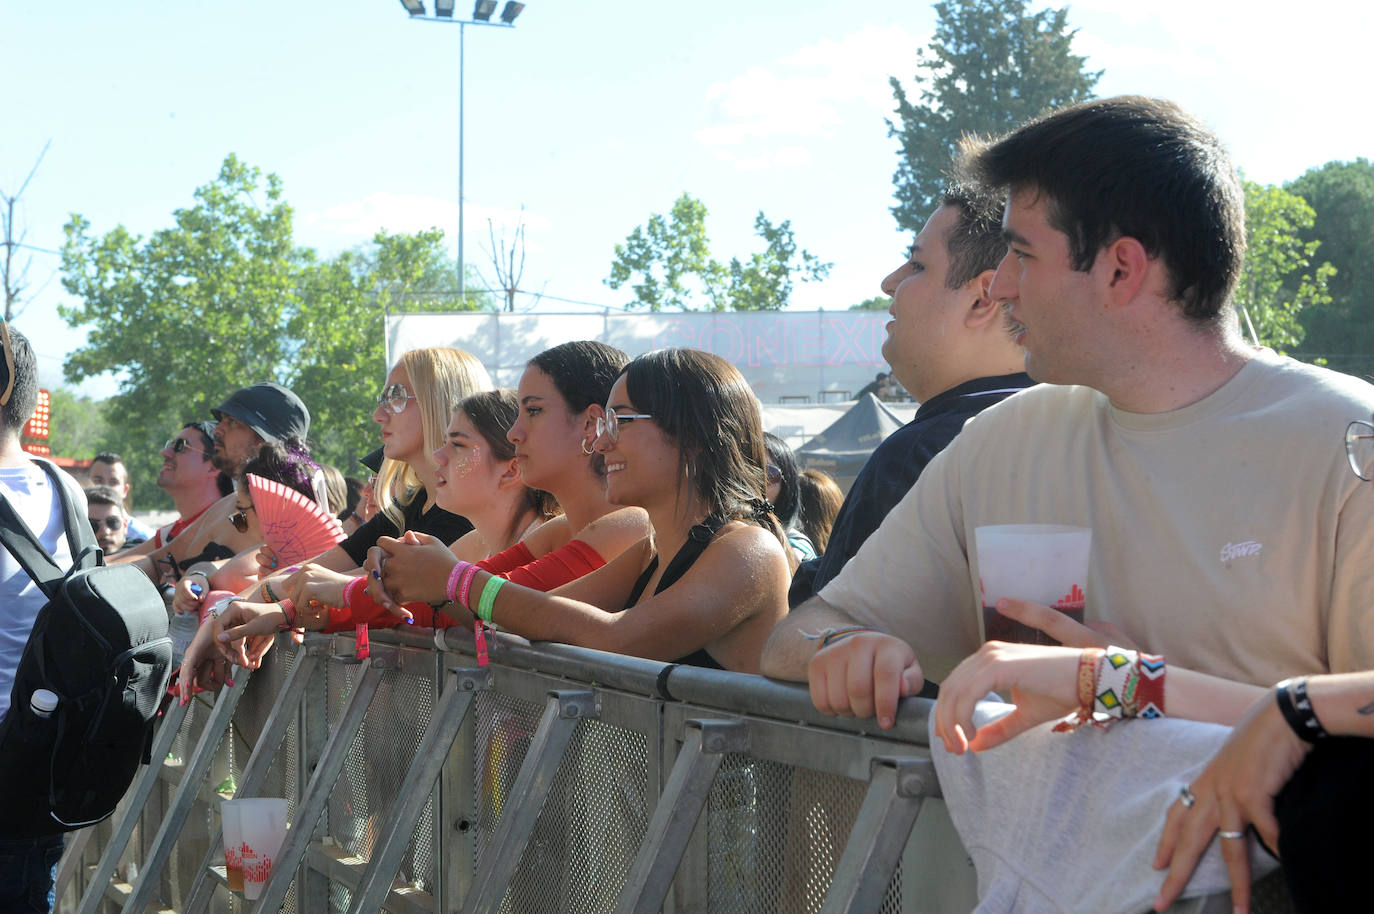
[[1229, 535]]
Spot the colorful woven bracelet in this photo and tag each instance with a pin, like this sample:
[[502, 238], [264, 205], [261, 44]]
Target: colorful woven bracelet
[[1297, 710], [1088, 659], [269, 593], [465, 587], [1112, 674], [454, 575], [1149, 696], [288, 609], [487, 601]]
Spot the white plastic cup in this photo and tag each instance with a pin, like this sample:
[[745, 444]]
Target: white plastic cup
[[1043, 563], [263, 825], [233, 841]]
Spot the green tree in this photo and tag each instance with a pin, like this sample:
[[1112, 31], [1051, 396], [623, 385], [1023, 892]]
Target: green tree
[[666, 254], [1280, 277], [989, 67], [77, 426], [879, 303], [1342, 331], [224, 298], [764, 281], [672, 258]]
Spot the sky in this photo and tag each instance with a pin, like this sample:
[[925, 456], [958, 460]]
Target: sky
[[585, 118]]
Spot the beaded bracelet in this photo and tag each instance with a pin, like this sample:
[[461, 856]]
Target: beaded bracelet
[[487, 601], [1297, 710], [465, 587], [455, 573], [1150, 695]]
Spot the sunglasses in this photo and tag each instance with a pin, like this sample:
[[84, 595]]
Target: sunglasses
[[773, 473], [394, 397], [181, 446], [240, 517], [109, 523]]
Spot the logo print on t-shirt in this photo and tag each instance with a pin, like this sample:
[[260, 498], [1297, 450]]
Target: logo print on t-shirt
[[1239, 550]]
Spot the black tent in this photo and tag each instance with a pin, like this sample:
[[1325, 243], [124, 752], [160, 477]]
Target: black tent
[[843, 448]]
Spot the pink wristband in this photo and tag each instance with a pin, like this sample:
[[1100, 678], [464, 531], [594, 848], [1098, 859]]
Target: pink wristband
[[456, 572], [351, 590], [465, 588], [210, 599]]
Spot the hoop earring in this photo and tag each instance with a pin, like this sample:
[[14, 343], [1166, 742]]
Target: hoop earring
[[589, 451]]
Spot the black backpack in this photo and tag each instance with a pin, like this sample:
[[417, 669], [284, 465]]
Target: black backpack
[[101, 646]]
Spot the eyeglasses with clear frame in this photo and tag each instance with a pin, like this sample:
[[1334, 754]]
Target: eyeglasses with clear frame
[[1359, 448], [394, 397], [610, 426]]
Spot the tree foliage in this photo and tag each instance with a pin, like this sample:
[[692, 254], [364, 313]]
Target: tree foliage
[[877, 303], [671, 256], [1281, 276], [77, 425], [224, 298], [1342, 330], [989, 67]]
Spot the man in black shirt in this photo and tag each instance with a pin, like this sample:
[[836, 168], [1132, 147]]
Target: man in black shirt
[[950, 345]]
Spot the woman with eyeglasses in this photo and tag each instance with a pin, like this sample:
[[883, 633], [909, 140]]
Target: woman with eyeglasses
[[680, 437], [1294, 770], [560, 399]]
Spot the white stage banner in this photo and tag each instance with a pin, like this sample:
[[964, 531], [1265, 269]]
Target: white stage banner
[[789, 357]]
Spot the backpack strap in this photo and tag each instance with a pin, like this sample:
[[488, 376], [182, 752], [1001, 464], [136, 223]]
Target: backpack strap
[[19, 540], [80, 536]]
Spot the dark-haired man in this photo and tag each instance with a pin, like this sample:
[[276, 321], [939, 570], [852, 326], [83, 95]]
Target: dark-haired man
[[26, 878], [105, 511], [108, 469], [950, 345], [1217, 541], [190, 476], [264, 413]]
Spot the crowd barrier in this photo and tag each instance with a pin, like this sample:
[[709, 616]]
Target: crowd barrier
[[556, 779]]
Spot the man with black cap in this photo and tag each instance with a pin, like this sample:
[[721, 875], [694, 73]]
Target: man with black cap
[[265, 412], [248, 419]]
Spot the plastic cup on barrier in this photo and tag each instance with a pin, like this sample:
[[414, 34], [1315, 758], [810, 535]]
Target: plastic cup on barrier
[[263, 825], [1043, 563], [233, 839]]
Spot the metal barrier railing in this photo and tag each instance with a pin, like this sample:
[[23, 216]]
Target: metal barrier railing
[[555, 780]]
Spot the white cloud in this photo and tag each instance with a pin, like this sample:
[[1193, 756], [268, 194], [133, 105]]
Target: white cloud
[[813, 92]]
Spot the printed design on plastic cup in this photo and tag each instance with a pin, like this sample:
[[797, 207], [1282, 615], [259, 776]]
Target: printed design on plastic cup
[[1074, 599], [255, 868]]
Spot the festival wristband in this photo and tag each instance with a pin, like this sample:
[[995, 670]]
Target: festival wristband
[[465, 588], [1296, 707], [455, 574], [1113, 674], [288, 610], [269, 593], [1088, 660], [352, 589], [487, 601], [1150, 694]]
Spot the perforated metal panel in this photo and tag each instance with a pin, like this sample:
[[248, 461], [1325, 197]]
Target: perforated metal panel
[[775, 834]]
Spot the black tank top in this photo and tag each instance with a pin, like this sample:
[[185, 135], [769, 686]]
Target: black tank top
[[698, 538]]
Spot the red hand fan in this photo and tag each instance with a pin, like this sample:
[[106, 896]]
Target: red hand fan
[[294, 525]]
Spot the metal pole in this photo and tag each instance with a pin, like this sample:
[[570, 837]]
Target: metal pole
[[462, 111]]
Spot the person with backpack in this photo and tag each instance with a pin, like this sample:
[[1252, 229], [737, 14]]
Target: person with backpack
[[27, 864]]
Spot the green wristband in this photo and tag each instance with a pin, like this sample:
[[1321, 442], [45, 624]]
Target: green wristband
[[487, 601]]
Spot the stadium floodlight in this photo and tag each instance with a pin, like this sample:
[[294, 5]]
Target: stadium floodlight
[[483, 10], [414, 7], [511, 10], [443, 8]]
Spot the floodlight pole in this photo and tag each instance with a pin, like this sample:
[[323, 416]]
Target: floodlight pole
[[462, 110]]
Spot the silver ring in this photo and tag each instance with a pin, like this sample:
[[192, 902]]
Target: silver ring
[[1186, 797], [1231, 835]]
